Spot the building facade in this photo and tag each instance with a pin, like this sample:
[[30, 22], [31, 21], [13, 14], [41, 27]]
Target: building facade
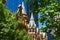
[[31, 25]]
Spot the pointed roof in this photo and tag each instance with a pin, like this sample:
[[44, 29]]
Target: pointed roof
[[19, 5], [32, 22], [23, 10], [32, 16]]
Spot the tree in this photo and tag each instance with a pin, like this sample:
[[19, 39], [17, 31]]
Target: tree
[[48, 12], [49, 9], [9, 24]]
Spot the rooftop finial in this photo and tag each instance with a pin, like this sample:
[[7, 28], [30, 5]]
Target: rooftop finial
[[23, 10], [32, 16], [19, 5], [32, 22]]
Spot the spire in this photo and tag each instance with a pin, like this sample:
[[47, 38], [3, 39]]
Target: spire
[[32, 22], [32, 18], [19, 5], [23, 10], [19, 8]]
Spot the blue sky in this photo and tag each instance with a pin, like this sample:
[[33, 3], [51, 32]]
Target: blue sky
[[40, 24], [13, 6]]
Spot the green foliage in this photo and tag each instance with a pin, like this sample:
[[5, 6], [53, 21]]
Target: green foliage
[[27, 37], [48, 10], [9, 25], [0, 1], [52, 11], [33, 6], [43, 29], [22, 35]]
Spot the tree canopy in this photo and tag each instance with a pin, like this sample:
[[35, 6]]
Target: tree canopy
[[9, 24], [50, 13]]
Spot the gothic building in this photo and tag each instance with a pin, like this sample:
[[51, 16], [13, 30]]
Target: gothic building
[[22, 15], [34, 31], [31, 26]]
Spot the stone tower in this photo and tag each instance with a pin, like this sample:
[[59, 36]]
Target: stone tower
[[31, 26], [34, 31], [25, 17], [22, 14], [32, 22]]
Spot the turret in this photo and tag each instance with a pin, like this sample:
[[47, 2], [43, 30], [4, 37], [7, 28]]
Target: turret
[[20, 8], [23, 8], [32, 22], [19, 11], [22, 15]]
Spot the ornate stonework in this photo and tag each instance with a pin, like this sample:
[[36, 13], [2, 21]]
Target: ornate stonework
[[31, 26], [34, 31], [22, 14]]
